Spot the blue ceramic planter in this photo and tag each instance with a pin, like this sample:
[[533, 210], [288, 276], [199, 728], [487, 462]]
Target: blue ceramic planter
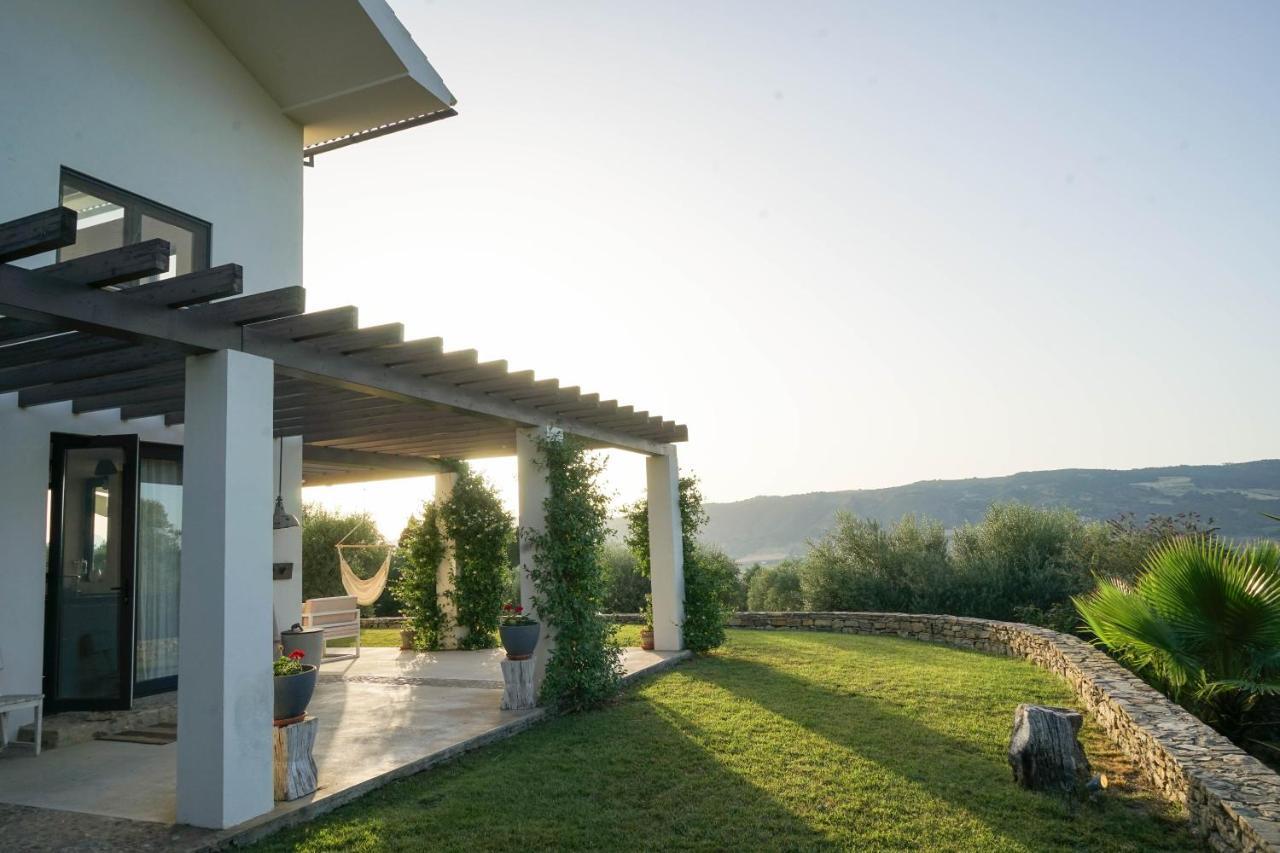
[[519, 640]]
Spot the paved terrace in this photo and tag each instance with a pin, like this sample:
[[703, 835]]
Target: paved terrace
[[386, 715]]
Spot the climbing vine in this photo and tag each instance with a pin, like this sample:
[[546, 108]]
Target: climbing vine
[[423, 546], [584, 669], [481, 531], [704, 610]]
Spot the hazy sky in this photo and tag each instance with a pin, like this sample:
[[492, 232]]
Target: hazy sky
[[849, 244]]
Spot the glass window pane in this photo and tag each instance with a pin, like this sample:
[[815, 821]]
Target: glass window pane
[[159, 567], [99, 224], [181, 245], [91, 574]]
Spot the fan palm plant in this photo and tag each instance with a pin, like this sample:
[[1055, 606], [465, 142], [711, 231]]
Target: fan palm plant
[[1202, 622]]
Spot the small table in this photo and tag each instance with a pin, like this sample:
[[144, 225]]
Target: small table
[[22, 702], [295, 768]]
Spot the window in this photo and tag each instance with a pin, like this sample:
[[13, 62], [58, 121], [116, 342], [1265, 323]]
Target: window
[[109, 217]]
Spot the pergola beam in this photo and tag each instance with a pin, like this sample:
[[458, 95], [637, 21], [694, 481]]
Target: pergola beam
[[41, 298]]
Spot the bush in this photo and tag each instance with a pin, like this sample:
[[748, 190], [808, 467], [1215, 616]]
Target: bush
[[568, 576], [1202, 623], [322, 530], [480, 531], [625, 587], [861, 565], [422, 547], [775, 588]]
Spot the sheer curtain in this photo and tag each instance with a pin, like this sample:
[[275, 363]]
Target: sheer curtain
[[159, 556]]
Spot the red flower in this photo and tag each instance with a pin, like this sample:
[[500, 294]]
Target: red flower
[[297, 654], [519, 609], [506, 607]]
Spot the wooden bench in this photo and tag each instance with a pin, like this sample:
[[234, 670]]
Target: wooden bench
[[338, 616]]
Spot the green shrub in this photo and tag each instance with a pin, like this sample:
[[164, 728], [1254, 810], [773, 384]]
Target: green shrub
[[775, 588], [1019, 564], [625, 586], [480, 530], [569, 581], [861, 565], [322, 529], [422, 547]]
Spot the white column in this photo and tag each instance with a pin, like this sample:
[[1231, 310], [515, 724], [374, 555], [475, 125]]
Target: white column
[[534, 491], [666, 551], [444, 572], [24, 491], [286, 545], [225, 601]]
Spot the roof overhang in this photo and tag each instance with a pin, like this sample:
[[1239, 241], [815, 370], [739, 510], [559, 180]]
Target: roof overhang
[[345, 70]]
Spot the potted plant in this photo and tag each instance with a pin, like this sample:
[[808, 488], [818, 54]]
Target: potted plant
[[646, 633], [519, 633], [295, 682], [408, 639]]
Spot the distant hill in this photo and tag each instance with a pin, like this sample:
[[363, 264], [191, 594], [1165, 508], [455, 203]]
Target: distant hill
[[770, 528]]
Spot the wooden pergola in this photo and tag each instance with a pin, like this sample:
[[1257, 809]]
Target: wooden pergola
[[367, 403]]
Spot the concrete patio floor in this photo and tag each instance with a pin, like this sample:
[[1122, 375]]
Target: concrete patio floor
[[386, 715]]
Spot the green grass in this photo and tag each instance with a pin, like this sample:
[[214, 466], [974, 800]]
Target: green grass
[[628, 635], [779, 741], [371, 637]]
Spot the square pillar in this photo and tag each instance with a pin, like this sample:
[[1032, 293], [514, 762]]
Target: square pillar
[[666, 551], [444, 572], [534, 490], [225, 598], [286, 545]]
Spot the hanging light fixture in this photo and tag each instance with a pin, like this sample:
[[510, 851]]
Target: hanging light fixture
[[281, 519]]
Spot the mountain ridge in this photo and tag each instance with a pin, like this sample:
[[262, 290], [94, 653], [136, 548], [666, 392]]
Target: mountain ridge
[[1235, 495]]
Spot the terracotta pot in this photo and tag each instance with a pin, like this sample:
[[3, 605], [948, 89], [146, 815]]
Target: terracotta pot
[[646, 639], [293, 693], [406, 640]]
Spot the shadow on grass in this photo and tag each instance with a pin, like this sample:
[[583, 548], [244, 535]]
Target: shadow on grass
[[969, 775]]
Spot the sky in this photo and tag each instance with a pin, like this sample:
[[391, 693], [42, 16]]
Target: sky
[[850, 245]]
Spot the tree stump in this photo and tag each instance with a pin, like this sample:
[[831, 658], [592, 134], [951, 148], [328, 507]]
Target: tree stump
[[518, 694], [1044, 752], [295, 768]]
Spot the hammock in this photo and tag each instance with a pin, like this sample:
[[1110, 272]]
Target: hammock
[[366, 590]]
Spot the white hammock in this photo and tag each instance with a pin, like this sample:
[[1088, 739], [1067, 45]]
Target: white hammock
[[366, 590]]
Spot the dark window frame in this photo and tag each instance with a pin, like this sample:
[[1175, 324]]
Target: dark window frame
[[135, 207]]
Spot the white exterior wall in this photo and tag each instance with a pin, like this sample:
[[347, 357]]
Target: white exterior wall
[[140, 94]]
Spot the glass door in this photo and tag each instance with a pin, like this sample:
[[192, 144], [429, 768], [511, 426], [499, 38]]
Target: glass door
[[89, 604]]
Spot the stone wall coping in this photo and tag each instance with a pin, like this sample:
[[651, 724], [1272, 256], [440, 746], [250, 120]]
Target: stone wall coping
[[1233, 799]]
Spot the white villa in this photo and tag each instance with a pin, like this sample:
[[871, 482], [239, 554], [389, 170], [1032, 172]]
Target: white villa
[[159, 374]]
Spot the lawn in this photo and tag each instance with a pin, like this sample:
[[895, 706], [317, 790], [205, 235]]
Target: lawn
[[779, 741]]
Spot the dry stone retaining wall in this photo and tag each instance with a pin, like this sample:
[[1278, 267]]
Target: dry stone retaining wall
[[1232, 798]]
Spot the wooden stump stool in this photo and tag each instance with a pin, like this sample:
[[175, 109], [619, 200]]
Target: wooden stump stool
[[295, 768], [518, 693]]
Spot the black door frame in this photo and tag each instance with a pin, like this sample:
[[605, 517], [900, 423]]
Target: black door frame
[[60, 443]]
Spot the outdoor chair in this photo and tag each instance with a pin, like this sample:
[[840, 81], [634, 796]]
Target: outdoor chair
[[20, 702], [339, 616]]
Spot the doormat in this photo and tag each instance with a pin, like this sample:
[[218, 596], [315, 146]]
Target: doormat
[[152, 735]]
